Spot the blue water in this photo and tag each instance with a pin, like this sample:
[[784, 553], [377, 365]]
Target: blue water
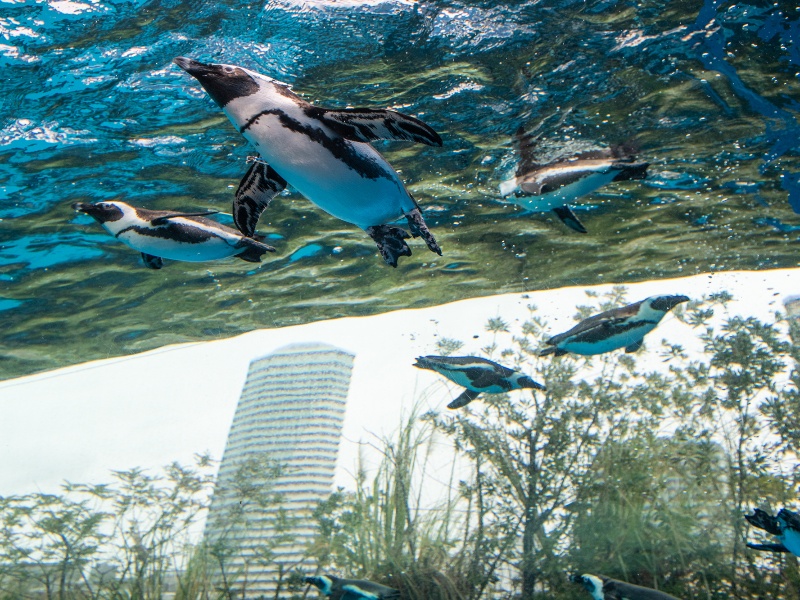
[[94, 109]]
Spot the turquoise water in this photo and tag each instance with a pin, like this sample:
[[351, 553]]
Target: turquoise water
[[93, 109]]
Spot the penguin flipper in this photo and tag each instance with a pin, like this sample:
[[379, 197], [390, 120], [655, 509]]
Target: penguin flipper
[[554, 350], [163, 220], [465, 398], [569, 219], [369, 124], [390, 241], [768, 547], [419, 229], [634, 346], [258, 187], [152, 262]]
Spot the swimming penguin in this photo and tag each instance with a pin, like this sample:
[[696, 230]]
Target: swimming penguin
[[351, 589], [323, 153], [604, 588], [476, 374], [623, 327], [161, 234], [785, 525], [541, 184]]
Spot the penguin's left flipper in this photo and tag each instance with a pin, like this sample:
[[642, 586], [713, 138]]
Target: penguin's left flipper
[[634, 346], [465, 398], [769, 547], [419, 229], [152, 262], [258, 187], [569, 219], [369, 125], [390, 241]]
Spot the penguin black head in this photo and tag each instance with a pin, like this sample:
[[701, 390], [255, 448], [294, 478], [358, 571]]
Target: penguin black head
[[592, 583], [223, 83], [102, 212], [323, 583], [665, 303]]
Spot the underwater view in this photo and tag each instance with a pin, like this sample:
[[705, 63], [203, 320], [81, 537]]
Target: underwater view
[[399, 299]]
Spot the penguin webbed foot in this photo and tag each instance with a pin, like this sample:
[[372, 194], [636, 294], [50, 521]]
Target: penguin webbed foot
[[420, 229], [390, 241]]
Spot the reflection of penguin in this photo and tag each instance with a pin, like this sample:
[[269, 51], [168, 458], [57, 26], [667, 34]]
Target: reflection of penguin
[[352, 589], [476, 374], [324, 154], [541, 185], [623, 327], [161, 234], [785, 525], [603, 588]]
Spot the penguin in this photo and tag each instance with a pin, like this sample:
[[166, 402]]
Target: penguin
[[159, 234], [785, 525], [553, 184], [476, 374], [351, 589], [604, 588], [623, 327], [325, 154]]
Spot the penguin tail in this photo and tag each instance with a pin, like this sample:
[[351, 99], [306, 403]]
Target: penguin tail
[[253, 250], [550, 350]]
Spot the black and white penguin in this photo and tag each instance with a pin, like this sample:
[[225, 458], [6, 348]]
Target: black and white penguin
[[161, 234], [623, 327], [553, 183], [351, 589], [604, 588], [324, 154], [785, 526], [476, 374]]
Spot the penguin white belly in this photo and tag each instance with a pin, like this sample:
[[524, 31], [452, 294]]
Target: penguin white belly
[[619, 340], [564, 195], [327, 180], [211, 248]]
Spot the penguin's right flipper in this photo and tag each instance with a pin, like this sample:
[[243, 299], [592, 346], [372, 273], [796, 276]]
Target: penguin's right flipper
[[634, 346], [569, 219], [163, 220], [390, 241], [554, 350], [258, 187], [465, 398], [152, 262], [768, 547]]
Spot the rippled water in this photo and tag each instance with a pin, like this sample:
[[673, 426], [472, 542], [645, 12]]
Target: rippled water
[[93, 109]]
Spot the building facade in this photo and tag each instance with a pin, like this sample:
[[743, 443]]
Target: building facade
[[279, 462]]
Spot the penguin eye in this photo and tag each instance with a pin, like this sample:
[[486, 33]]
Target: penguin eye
[[229, 69]]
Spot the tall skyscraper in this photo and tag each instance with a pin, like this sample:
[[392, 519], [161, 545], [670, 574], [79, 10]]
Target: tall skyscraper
[[278, 464]]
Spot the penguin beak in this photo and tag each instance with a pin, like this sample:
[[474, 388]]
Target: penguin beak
[[193, 67], [89, 209]]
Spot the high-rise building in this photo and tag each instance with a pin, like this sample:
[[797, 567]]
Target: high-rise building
[[279, 462]]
